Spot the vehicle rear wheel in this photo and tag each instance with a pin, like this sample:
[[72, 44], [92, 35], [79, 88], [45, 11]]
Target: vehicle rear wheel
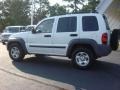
[[16, 52], [82, 58]]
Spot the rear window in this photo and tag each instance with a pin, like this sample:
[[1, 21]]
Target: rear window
[[90, 23]]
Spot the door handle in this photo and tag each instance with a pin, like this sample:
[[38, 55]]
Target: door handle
[[47, 35], [73, 35]]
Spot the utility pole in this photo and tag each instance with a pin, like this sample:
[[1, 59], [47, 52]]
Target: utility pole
[[32, 12]]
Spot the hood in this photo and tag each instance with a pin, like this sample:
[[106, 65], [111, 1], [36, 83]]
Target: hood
[[20, 35]]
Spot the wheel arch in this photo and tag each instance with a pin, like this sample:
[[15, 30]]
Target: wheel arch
[[19, 41], [77, 43]]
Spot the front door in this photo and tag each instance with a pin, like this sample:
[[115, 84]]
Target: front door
[[41, 40]]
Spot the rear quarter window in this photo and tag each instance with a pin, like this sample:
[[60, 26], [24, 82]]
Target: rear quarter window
[[106, 22], [90, 23]]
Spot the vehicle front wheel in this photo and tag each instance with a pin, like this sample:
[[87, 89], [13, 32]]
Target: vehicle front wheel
[[82, 58], [16, 52]]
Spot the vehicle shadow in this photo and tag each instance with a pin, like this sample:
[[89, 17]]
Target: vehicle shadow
[[102, 76]]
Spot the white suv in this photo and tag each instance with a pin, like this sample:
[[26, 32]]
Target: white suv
[[9, 30], [81, 37]]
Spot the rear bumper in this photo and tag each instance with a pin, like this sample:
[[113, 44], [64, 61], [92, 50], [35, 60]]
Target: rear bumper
[[103, 50]]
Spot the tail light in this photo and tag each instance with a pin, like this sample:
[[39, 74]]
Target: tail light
[[104, 38]]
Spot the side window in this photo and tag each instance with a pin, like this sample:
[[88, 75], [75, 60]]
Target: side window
[[90, 23], [67, 24], [106, 22], [45, 27]]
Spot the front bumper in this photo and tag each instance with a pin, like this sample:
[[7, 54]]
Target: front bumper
[[5, 38]]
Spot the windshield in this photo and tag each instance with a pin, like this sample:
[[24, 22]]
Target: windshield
[[11, 30]]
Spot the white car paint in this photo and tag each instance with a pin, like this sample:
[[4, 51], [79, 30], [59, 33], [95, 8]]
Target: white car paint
[[63, 38]]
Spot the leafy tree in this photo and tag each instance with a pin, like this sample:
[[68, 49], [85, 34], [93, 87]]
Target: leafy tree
[[41, 10], [91, 6], [57, 10], [74, 5], [15, 12]]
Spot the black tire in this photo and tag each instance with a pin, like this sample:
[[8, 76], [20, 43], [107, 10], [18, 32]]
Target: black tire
[[20, 52], [114, 41], [85, 51]]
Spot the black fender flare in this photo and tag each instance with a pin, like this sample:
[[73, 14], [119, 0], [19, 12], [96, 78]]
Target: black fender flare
[[89, 42], [19, 41]]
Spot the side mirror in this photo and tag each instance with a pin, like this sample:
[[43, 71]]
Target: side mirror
[[33, 30]]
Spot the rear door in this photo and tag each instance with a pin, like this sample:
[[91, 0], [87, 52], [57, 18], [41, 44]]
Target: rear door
[[66, 30], [91, 28]]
